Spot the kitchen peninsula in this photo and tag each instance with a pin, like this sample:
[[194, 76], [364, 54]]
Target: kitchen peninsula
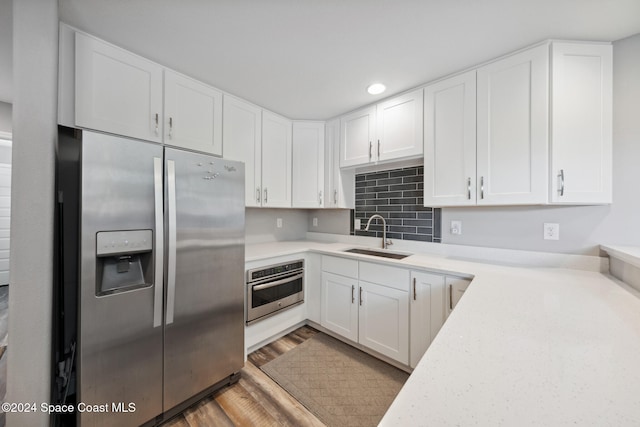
[[527, 345]]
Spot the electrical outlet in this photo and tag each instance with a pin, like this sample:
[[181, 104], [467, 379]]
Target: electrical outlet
[[357, 224], [456, 228], [279, 222], [551, 231], [315, 222]]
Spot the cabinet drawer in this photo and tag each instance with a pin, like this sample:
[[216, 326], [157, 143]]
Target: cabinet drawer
[[341, 266], [393, 277]]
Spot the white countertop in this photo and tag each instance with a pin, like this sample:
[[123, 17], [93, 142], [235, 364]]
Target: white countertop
[[524, 346], [628, 254]]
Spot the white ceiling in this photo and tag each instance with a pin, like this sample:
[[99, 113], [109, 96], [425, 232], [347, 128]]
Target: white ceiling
[[313, 59]]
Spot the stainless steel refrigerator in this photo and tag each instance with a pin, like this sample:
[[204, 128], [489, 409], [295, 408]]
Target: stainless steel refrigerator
[[160, 277]]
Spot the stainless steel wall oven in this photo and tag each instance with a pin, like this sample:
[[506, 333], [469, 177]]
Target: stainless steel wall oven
[[274, 288]]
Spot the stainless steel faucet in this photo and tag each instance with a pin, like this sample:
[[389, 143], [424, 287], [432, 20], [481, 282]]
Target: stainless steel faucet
[[385, 242]]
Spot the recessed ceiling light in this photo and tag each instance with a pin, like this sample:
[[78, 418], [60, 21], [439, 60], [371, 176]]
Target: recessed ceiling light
[[376, 88]]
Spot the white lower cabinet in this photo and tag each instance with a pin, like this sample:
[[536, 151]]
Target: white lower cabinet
[[393, 311], [375, 315], [339, 305], [383, 320], [427, 302], [456, 287], [313, 286]]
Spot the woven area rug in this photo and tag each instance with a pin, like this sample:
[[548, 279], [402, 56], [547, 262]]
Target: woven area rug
[[341, 385]]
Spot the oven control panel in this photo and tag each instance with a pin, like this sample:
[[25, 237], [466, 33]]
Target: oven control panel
[[274, 270]]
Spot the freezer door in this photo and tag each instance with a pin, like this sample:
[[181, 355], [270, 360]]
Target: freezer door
[[204, 330], [120, 351]]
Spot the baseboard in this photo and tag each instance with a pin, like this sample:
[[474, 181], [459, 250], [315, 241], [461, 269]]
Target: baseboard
[[275, 337]]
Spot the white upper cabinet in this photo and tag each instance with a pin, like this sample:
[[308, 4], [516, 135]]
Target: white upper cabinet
[[192, 113], [116, 91], [512, 123], [308, 165], [242, 136], [122, 93], [339, 184], [399, 127], [521, 157], [357, 134], [262, 140], [581, 117], [276, 160], [390, 130], [450, 141]]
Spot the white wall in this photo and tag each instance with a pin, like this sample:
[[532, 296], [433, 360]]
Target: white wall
[[35, 68], [261, 225], [581, 228], [5, 209], [334, 221], [5, 117]]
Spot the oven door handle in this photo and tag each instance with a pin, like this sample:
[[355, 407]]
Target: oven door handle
[[277, 282]]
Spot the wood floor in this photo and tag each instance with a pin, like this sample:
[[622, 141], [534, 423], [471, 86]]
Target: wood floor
[[255, 400]]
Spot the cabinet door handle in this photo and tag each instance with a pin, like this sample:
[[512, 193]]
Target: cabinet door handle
[[157, 123], [335, 197], [415, 297], [266, 200], [450, 297], [257, 194], [561, 182], [171, 127], [378, 149], [482, 187], [353, 294], [360, 295], [370, 148], [320, 198], [469, 188]]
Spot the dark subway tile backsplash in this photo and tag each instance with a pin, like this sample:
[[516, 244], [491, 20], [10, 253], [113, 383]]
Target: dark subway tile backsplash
[[397, 196]]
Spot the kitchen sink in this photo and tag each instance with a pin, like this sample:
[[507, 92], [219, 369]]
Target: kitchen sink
[[372, 252]]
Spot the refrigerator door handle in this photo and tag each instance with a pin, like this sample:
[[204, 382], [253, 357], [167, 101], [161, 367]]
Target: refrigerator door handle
[[171, 230], [159, 247]]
